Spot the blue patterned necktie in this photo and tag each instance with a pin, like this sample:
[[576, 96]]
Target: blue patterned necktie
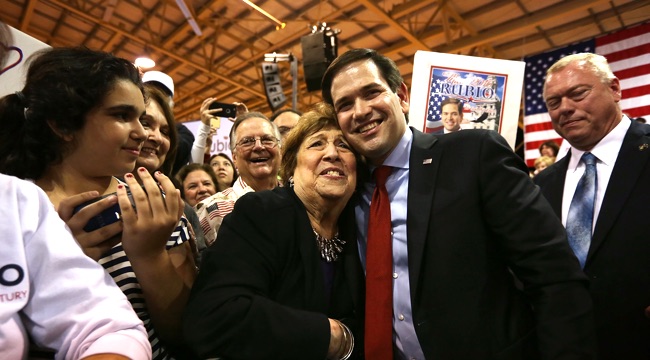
[[581, 212]]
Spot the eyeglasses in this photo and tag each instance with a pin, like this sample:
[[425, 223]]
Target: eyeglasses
[[248, 142]]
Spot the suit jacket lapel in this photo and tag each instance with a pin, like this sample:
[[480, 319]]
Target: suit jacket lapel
[[630, 163], [423, 170]]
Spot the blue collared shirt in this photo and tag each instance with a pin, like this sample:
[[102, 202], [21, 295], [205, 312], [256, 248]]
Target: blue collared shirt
[[404, 337]]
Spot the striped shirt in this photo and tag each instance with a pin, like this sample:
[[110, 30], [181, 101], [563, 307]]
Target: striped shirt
[[212, 210], [119, 267]]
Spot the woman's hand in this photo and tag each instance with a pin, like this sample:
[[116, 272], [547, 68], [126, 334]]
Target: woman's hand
[[207, 114], [336, 340], [213, 132], [341, 341], [148, 227], [95, 243], [240, 109]]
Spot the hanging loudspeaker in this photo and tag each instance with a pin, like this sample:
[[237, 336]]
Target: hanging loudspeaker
[[318, 51], [272, 87]]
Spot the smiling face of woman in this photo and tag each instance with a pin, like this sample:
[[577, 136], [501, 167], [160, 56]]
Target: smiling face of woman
[[198, 186], [325, 168], [155, 148], [111, 139], [224, 170]]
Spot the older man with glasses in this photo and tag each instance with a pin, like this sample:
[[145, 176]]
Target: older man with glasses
[[255, 146]]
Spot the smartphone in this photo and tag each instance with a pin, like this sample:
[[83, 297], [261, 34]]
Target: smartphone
[[227, 110], [106, 217]]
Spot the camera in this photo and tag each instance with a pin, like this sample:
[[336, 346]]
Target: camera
[[106, 217], [227, 110]]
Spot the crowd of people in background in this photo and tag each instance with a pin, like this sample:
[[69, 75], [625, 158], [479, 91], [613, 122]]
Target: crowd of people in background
[[337, 233]]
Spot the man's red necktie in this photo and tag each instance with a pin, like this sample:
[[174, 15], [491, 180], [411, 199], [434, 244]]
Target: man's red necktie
[[379, 273]]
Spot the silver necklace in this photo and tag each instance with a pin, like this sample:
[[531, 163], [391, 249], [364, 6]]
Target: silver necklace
[[329, 248]]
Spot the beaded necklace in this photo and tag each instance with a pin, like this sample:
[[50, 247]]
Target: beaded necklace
[[329, 248]]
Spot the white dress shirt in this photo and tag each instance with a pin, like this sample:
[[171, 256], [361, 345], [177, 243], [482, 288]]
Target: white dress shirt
[[607, 152], [405, 339]]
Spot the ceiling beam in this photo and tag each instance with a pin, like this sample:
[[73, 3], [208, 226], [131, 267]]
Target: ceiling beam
[[517, 25], [292, 38], [27, 15], [370, 5], [409, 7], [185, 27], [166, 52], [108, 46], [513, 26], [557, 30]]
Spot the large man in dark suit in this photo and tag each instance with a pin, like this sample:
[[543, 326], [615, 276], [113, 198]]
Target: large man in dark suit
[[465, 217], [582, 95]]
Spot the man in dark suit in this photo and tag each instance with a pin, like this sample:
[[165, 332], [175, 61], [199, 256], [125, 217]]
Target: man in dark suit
[[582, 96], [465, 217]]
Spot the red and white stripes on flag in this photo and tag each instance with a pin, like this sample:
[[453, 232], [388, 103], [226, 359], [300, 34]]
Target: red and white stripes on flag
[[628, 53]]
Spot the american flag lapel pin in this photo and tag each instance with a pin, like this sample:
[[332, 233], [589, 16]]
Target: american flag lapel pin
[[643, 147], [426, 161]]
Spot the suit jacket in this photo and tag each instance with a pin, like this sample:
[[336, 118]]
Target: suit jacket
[[618, 262], [474, 219], [260, 293]]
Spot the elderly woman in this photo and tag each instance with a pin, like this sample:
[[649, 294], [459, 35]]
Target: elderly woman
[[284, 280], [198, 182]]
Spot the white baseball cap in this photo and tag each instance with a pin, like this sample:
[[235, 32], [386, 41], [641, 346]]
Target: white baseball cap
[[160, 77]]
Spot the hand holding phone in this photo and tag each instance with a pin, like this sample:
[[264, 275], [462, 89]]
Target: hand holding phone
[[146, 233], [108, 216], [77, 210], [227, 110]]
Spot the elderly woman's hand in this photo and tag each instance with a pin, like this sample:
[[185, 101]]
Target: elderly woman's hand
[[148, 227], [96, 242], [341, 341]]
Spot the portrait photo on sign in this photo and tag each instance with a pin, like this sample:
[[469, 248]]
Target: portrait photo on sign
[[486, 93]]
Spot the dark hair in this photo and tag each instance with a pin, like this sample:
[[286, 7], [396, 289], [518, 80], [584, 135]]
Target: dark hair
[[387, 69], [454, 101], [62, 86], [282, 111], [187, 169], [550, 144], [235, 175], [249, 115], [319, 117], [153, 93]]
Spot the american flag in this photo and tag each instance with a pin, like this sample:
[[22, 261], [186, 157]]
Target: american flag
[[628, 54], [433, 122]]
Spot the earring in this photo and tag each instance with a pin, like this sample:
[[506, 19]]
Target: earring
[[290, 181]]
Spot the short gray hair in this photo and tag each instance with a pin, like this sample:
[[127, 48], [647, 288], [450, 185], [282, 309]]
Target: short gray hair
[[596, 63], [249, 115]]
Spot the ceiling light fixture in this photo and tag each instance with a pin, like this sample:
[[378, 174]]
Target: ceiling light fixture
[[189, 17], [280, 25], [144, 62]]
